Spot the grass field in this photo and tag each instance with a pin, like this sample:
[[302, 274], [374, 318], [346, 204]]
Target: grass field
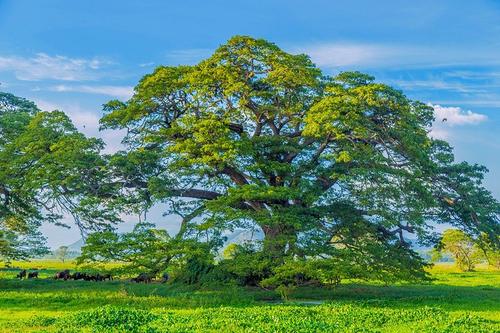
[[454, 302]]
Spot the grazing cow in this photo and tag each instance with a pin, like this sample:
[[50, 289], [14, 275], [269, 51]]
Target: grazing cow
[[64, 275], [164, 277], [143, 277], [22, 274], [78, 276], [33, 275], [93, 277], [107, 277], [89, 277]]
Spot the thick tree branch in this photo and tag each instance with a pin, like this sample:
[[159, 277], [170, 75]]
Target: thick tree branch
[[235, 176], [194, 193]]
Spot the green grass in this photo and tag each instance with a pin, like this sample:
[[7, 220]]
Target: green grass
[[454, 302]]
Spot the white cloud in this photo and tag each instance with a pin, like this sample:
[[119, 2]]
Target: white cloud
[[438, 132], [493, 102], [43, 66], [123, 92], [369, 55], [147, 64], [188, 56], [347, 54], [437, 84], [474, 75], [450, 116], [453, 115]]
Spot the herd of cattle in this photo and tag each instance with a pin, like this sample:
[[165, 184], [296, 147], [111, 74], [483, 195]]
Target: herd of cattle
[[66, 275]]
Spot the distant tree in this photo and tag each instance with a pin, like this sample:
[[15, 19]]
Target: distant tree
[[462, 247], [62, 253], [254, 137]]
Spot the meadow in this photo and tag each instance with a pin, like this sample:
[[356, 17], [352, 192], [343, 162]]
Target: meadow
[[453, 302]]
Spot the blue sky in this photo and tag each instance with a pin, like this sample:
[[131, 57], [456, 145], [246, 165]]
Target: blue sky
[[77, 55]]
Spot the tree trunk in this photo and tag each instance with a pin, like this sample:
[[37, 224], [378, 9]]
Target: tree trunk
[[278, 240]]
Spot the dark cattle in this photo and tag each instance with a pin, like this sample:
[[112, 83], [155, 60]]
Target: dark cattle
[[87, 277], [22, 274], [99, 277], [93, 277], [90, 277], [107, 277], [143, 277], [164, 278], [64, 275], [78, 276], [33, 275]]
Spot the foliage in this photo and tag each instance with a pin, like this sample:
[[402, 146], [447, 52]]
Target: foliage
[[15, 246], [108, 319], [296, 318], [247, 266], [490, 252], [334, 170], [331, 271], [47, 169], [143, 250], [194, 268], [230, 251], [335, 167], [462, 247]]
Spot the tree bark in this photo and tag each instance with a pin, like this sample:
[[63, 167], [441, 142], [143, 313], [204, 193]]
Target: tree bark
[[279, 240]]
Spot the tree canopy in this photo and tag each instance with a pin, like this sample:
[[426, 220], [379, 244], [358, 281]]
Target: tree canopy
[[143, 250], [47, 169], [254, 137], [340, 168], [462, 247]]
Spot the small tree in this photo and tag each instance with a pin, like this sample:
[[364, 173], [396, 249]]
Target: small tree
[[62, 253], [462, 247]]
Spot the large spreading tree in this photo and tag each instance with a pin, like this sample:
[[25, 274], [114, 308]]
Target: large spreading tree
[[254, 137], [341, 168]]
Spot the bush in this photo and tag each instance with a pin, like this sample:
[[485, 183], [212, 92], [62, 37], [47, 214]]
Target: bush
[[294, 273], [110, 319], [247, 267], [193, 270]]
